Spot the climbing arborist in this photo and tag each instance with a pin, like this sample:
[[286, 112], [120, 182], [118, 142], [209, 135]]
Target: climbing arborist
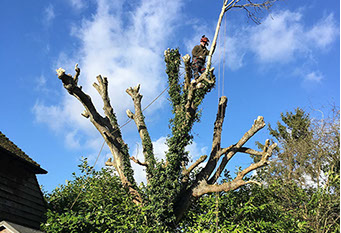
[[199, 54]]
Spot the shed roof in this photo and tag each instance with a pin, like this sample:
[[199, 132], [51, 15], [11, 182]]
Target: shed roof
[[16, 228], [16, 152]]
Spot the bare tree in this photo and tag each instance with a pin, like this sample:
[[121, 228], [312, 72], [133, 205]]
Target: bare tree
[[179, 187]]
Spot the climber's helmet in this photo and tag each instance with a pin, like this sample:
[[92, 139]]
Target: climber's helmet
[[205, 40]]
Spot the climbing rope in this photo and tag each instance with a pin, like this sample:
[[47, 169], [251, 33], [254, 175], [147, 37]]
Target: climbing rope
[[99, 153], [221, 87], [219, 65]]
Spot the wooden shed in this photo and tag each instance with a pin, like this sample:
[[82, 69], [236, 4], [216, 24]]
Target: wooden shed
[[21, 200]]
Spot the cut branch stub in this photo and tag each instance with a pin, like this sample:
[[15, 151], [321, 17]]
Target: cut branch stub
[[215, 151], [188, 69], [138, 161], [109, 163]]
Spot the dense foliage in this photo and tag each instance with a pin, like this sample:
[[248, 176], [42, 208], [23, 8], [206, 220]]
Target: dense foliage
[[306, 169], [285, 203], [102, 206]]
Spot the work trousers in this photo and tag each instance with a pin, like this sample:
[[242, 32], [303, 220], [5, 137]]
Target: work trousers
[[198, 66]]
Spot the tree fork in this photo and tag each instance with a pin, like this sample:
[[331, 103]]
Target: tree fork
[[205, 180], [107, 126]]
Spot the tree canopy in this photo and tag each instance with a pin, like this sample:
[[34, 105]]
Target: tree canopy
[[178, 194]]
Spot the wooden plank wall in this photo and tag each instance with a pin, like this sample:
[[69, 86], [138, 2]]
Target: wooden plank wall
[[21, 200]]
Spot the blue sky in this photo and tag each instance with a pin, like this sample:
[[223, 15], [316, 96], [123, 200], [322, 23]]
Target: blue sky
[[290, 60]]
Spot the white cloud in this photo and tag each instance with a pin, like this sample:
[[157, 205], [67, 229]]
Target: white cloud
[[324, 32], [49, 115], [71, 139], [49, 14], [231, 55], [127, 48], [160, 148], [278, 38], [314, 77], [77, 4], [282, 38], [310, 182]]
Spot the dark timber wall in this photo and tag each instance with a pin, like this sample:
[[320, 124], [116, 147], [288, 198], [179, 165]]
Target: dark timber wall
[[21, 200]]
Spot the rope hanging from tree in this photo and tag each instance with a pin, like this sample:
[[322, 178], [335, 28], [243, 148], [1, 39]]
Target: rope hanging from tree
[[221, 86]]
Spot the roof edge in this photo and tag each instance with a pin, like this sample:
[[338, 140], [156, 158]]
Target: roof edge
[[37, 169]]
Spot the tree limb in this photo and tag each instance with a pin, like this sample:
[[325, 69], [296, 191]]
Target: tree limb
[[205, 187], [186, 172], [138, 118], [215, 151], [102, 89], [257, 125], [107, 127], [139, 162]]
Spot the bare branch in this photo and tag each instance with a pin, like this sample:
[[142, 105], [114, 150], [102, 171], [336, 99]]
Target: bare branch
[[105, 126], [102, 89], [249, 151], [130, 114], [186, 172], [205, 187], [214, 41], [138, 118], [264, 161], [253, 9], [258, 124], [138, 161], [253, 182], [228, 6]]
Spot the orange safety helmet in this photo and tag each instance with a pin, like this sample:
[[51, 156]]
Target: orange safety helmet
[[204, 39]]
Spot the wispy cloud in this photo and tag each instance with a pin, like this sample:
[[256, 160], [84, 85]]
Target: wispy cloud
[[41, 82], [48, 15], [49, 115], [324, 32], [78, 4], [278, 38], [71, 139], [284, 37], [314, 77]]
